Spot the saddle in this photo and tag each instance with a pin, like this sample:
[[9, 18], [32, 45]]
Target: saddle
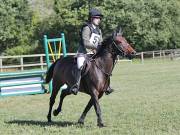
[[86, 66]]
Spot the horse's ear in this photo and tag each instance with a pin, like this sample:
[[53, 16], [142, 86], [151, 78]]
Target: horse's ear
[[120, 32], [114, 34], [117, 32]]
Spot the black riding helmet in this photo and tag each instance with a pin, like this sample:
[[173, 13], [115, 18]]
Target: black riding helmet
[[95, 12]]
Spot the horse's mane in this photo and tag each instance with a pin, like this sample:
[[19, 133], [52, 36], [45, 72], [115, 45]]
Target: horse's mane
[[104, 44], [106, 40]]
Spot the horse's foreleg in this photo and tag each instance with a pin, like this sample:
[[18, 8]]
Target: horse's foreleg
[[64, 93], [97, 108], [87, 108], [52, 101]]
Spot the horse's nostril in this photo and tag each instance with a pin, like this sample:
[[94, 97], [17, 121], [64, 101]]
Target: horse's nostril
[[133, 53]]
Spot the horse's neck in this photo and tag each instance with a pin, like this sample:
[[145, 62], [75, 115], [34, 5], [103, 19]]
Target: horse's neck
[[106, 61]]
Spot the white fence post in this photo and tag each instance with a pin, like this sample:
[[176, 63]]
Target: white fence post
[[142, 57], [21, 61], [160, 54], [164, 54], [1, 65], [153, 55], [171, 55]]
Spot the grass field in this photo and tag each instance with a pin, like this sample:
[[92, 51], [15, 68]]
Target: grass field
[[146, 101]]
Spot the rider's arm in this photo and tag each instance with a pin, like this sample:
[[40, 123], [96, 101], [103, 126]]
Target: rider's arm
[[86, 32], [101, 38]]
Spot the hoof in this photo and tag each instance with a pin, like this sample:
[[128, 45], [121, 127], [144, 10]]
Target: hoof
[[80, 122], [49, 119], [100, 125], [55, 112]]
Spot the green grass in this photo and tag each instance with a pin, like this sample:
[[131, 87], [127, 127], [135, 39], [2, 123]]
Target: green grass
[[146, 101]]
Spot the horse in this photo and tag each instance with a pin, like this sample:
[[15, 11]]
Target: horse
[[96, 78]]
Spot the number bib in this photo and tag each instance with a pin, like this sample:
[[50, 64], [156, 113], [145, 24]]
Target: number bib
[[95, 38]]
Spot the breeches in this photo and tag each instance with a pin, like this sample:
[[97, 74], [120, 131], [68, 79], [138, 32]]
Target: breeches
[[80, 60]]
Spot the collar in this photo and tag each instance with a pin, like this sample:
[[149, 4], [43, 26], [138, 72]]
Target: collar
[[94, 27]]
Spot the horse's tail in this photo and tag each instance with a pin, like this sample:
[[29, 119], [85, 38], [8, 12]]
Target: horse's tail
[[49, 73]]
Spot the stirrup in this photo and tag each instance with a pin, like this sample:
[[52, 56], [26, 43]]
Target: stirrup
[[74, 89]]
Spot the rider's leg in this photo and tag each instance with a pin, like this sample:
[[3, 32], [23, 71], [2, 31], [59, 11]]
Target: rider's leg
[[80, 62]]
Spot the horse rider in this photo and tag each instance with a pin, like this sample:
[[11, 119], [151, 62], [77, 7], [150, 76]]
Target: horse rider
[[90, 41]]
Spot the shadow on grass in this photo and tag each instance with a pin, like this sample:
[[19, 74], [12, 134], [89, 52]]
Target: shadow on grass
[[44, 123]]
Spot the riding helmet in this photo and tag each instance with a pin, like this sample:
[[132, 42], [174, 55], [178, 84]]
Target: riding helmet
[[95, 12]]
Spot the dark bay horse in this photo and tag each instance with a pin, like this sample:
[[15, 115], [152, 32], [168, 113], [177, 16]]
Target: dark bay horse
[[96, 79]]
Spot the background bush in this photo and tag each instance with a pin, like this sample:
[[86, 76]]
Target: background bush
[[148, 25]]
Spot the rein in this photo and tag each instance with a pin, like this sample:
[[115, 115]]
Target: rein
[[107, 74], [114, 63]]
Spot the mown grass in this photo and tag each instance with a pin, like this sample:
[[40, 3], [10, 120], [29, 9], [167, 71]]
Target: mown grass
[[146, 101]]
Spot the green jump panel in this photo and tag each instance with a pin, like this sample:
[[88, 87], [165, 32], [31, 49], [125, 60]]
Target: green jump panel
[[47, 42], [21, 83]]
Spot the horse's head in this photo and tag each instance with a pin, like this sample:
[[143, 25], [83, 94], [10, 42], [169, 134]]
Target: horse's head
[[121, 46]]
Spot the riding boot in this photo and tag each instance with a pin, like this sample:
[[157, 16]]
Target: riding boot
[[109, 90], [74, 89]]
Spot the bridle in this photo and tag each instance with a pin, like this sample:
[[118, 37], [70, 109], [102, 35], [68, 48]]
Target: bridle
[[114, 52], [114, 63], [110, 73], [119, 49]]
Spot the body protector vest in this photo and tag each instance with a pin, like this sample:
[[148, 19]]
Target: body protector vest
[[95, 36], [94, 39]]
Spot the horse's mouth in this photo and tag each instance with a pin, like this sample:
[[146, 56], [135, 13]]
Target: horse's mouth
[[131, 56]]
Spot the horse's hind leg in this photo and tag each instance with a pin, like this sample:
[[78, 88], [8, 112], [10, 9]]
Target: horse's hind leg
[[52, 100], [64, 93]]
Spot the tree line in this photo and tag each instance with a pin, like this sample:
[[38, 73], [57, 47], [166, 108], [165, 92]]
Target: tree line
[[147, 25]]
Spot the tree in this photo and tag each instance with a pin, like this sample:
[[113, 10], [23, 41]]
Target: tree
[[15, 26], [148, 25]]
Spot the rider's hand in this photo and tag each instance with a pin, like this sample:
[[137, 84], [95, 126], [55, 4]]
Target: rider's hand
[[98, 47]]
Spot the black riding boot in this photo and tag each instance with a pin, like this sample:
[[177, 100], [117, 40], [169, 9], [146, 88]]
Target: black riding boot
[[109, 90], [74, 89]]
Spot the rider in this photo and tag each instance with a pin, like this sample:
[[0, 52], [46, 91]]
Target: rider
[[91, 38]]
